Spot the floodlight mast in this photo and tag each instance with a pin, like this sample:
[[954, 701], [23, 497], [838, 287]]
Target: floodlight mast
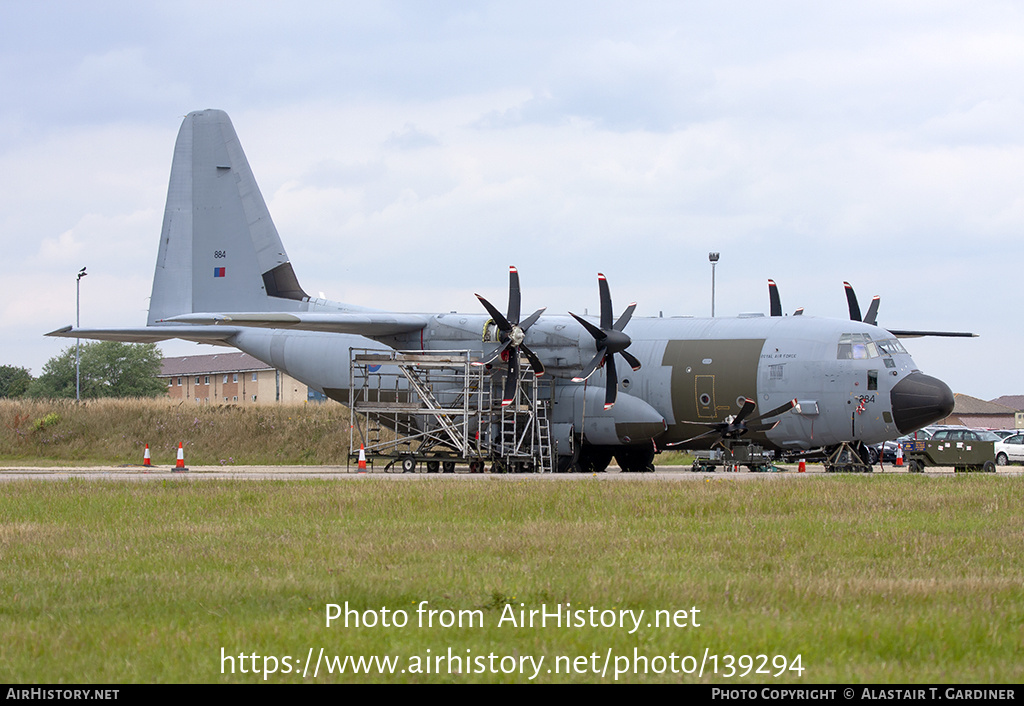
[[713, 259], [78, 341]]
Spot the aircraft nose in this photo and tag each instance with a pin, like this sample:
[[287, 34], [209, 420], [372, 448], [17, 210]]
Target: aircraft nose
[[919, 400]]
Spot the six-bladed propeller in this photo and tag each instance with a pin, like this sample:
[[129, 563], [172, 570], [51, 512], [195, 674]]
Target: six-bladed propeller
[[609, 340], [737, 426], [511, 334]]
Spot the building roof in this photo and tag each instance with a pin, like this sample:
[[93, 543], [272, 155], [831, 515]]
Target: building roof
[[211, 364], [965, 404], [1015, 402]]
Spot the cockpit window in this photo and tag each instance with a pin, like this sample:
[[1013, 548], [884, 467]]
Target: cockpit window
[[856, 346], [890, 346]]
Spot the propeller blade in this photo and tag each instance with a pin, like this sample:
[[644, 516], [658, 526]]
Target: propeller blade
[[490, 357], [869, 318], [511, 381], [499, 318], [775, 412], [624, 319], [606, 301], [514, 295], [538, 367], [762, 427], [774, 299], [591, 367], [633, 362], [748, 407], [611, 390], [597, 333], [693, 438], [532, 319], [851, 301]]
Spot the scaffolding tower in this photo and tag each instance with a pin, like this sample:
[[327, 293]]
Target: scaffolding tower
[[437, 407]]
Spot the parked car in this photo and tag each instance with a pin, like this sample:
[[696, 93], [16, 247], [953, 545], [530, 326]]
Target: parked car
[[1005, 433], [1010, 450], [965, 434]]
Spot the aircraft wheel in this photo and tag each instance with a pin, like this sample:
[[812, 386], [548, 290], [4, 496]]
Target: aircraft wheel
[[594, 459], [989, 467], [636, 459], [1001, 459], [476, 466], [408, 464], [448, 467], [433, 466]]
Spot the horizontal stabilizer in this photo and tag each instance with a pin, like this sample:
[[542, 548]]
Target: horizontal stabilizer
[[362, 324], [148, 334]]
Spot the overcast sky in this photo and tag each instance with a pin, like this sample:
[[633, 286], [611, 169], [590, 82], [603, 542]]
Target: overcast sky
[[410, 151]]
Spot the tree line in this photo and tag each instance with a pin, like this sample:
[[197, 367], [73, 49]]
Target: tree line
[[107, 369]]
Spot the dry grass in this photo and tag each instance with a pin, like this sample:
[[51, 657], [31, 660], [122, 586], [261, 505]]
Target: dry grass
[[116, 432]]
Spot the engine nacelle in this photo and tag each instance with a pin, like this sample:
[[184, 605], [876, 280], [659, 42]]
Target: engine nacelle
[[630, 421]]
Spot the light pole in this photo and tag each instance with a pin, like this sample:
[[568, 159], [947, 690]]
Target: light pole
[[713, 259], [78, 324]]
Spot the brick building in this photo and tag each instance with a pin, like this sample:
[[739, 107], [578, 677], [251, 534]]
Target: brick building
[[972, 412], [232, 378]]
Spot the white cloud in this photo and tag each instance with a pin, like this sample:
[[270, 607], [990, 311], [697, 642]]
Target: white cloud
[[410, 152]]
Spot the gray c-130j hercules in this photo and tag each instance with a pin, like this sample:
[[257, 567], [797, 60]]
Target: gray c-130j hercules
[[791, 383]]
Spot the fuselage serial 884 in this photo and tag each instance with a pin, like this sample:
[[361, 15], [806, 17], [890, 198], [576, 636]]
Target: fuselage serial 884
[[621, 387]]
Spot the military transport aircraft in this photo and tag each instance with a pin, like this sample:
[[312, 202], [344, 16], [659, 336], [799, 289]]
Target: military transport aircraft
[[792, 383]]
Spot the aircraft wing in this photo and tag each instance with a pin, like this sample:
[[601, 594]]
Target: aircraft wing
[[148, 334], [918, 334], [362, 323]]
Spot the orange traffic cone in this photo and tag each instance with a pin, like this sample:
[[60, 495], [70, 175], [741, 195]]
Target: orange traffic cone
[[145, 458], [180, 465], [362, 459], [802, 468], [899, 455]]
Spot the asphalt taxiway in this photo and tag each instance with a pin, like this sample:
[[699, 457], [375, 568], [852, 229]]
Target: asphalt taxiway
[[343, 473]]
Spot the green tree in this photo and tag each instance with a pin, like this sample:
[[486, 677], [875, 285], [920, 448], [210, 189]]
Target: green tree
[[14, 381], [108, 369]]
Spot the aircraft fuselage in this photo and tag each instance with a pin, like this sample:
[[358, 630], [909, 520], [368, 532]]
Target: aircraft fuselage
[[850, 379]]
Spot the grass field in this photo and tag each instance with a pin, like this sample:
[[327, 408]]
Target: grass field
[[867, 579]]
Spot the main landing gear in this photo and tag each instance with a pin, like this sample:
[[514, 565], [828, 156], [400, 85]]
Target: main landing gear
[[596, 459]]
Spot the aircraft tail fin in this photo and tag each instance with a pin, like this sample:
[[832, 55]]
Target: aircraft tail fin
[[219, 249]]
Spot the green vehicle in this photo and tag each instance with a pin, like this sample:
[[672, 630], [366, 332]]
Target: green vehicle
[[963, 449]]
